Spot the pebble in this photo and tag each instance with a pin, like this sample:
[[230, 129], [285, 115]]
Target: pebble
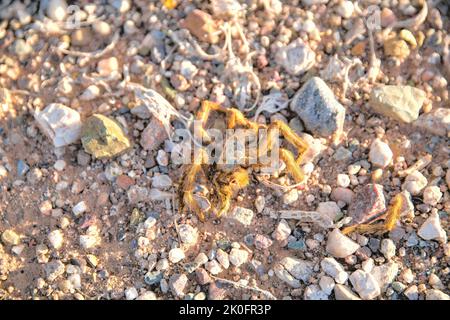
[[161, 181], [81, 37], [217, 291], [260, 203], [153, 135], [10, 238], [54, 269], [365, 285], [385, 274], [432, 195], [329, 208], [90, 239], [242, 215], [435, 282], [177, 284], [56, 239], [153, 277], [412, 293], [388, 248], [387, 17], [431, 229], [131, 293], [222, 258], [176, 255], [342, 292], [79, 208], [187, 233], [340, 246], [401, 103], [102, 137], [434, 294], [368, 203], [57, 9], [213, 267], [201, 25], [408, 37], [238, 257], [333, 268], [342, 154], [285, 276], [313, 292], [343, 180], [300, 269], [326, 284], [290, 197], [296, 58], [262, 242], [414, 183], [60, 124], [282, 231], [202, 276], [122, 6], [108, 66], [22, 168], [380, 154], [345, 9], [396, 48], [436, 122], [101, 28], [22, 50], [319, 110]]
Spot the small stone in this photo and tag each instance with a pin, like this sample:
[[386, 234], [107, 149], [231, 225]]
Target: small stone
[[300, 269], [412, 293], [415, 182], [368, 203], [329, 208], [401, 103], [431, 229], [131, 293], [187, 233], [222, 258], [319, 110], [137, 194], [296, 58], [313, 292], [238, 257], [60, 124], [177, 284], [333, 268], [213, 267], [285, 276], [46, 208], [260, 202], [10, 238], [326, 284], [90, 239], [176, 255], [217, 291], [387, 17], [435, 282], [408, 37], [57, 10], [122, 6], [242, 215], [385, 274], [343, 180], [434, 294], [103, 137], [161, 181], [101, 28], [342, 154], [282, 231], [59, 165], [380, 154], [365, 284], [432, 195], [108, 66], [202, 276], [162, 158], [345, 9], [290, 197], [201, 25], [81, 37], [262, 242], [153, 135], [83, 158], [398, 286], [339, 245], [79, 208], [54, 269], [124, 182], [388, 248], [436, 122], [153, 277], [342, 292], [343, 194], [396, 48], [56, 239]]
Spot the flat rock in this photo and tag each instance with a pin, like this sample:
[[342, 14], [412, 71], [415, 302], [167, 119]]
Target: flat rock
[[102, 137], [61, 124], [401, 103], [368, 203], [434, 294], [319, 110], [300, 269], [177, 284], [436, 122]]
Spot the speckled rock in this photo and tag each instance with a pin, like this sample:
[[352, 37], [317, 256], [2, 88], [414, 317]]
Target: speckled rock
[[369, 202], [319, 110]]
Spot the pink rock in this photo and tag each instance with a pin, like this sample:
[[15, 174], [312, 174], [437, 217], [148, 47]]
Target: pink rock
[[262, 242], [202, 276], [153, 135], [368, 204], [342, 194], [217, 291]]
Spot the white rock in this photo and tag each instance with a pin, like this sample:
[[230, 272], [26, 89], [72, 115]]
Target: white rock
[[188, 69], [121, 5], [177, 284], [213, 267], [342, 292], [326, 284], [176, 255], [131, 293], [290, 197], [150, 222], [387, 248], [345, 9], [260, 202], [285, 276], [148, 295], [385, 274], [300, 269], [333, 268], [57, 10], [431, 229], [223, 259], [339, 245], [412, 293], [187, 233], [432, 195], [56, 239], [162, 158], [238, 257], [90, 93], [79, 208], [282, 231], [312, 2], [313, 292], [329, 208], [380, 154], [415, 182], [343, 180], [434, 294], [296, 58], [161, 181], [91, 238], [101, 28], [242, 215], [59, 123], [365, 284], [108, 66], [59, 165]]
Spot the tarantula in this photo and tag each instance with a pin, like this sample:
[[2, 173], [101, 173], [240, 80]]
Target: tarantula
[[227, 181]]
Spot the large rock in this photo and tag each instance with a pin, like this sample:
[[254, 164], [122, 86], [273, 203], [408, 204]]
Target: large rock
[[296, 58], [103, 137], [60, 123], [401, 103], [436, 122], [319, 110]]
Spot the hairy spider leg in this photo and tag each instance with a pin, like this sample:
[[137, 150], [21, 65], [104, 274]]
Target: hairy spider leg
[[231, 182]]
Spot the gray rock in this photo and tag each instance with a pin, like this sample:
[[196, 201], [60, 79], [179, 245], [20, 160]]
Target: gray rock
[[401, 103], [153, 277], [436, 122], [434, 294], [285, 276], [319, 110], [313, 292], [300, 269], [54, 269]]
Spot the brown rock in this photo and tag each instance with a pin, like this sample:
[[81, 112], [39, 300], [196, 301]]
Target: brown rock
[[359, 48], [202, 276], [367, 204], [153, 135], [396, 48], [124, 182], [217, 291], [201, 25]]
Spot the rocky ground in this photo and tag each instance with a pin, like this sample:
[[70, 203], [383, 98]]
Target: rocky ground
[[88, 201]]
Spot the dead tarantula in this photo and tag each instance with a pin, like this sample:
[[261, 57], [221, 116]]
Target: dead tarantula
[[225, 180]]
